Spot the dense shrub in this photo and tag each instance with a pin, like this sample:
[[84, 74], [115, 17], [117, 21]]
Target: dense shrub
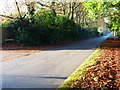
[[46, 29], [88, 32], [42, 29]]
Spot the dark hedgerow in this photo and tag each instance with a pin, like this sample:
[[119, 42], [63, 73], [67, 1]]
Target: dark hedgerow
[[45, 28]]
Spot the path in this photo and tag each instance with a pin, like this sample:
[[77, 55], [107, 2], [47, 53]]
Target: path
[[47, 69]]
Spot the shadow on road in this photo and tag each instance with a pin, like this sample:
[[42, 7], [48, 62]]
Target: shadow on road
[[52, 77], [83, 44], [41, 77]]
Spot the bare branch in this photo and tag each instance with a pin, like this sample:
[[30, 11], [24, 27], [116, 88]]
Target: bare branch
[[9, 17], [24, 16], [18, 9], [42, 4]]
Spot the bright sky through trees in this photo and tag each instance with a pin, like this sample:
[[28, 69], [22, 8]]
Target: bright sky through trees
[[8, 6], [4, 4]]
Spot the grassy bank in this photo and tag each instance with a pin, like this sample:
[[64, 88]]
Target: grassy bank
[[81, 71], [100, 71]]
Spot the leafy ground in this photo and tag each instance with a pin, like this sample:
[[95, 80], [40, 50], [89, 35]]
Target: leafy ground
[[101, 71]]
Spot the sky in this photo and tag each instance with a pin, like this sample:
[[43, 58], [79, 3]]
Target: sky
[[4, 4], [7, 7], [10, 8]]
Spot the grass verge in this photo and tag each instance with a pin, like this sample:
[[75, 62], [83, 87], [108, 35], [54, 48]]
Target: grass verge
[[100, 71], [82, 70]]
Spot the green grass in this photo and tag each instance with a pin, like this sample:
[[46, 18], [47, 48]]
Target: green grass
[[81, 71]]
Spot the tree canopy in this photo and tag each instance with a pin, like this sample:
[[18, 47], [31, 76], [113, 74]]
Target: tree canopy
[[109, 10]]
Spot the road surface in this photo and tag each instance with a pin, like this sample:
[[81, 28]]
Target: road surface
[[47, 69]]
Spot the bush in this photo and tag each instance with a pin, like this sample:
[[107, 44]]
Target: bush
[[43, 29], [46, 29], [88, 32]]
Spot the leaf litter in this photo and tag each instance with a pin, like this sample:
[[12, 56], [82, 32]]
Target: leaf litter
[[105, 74]]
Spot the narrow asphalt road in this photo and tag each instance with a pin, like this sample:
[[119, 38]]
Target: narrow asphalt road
[[47, 69]]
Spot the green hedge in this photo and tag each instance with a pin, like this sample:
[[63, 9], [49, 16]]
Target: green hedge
[[46, 29]]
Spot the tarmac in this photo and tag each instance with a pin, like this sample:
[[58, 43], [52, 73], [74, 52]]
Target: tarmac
[[49, 68]]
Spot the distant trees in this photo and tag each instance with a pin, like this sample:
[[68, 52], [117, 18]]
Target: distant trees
[[83, 13], [42, 22], [109, 10], [73, 10]]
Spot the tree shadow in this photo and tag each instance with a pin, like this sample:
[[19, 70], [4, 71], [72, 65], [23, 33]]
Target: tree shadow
[[86, 44], [34, 76], [51, 77], [21, 81]]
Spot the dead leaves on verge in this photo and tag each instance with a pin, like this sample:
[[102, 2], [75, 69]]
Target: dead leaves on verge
[[103, 75]]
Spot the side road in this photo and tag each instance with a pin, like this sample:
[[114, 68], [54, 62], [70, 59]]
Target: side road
[[47, 69]]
